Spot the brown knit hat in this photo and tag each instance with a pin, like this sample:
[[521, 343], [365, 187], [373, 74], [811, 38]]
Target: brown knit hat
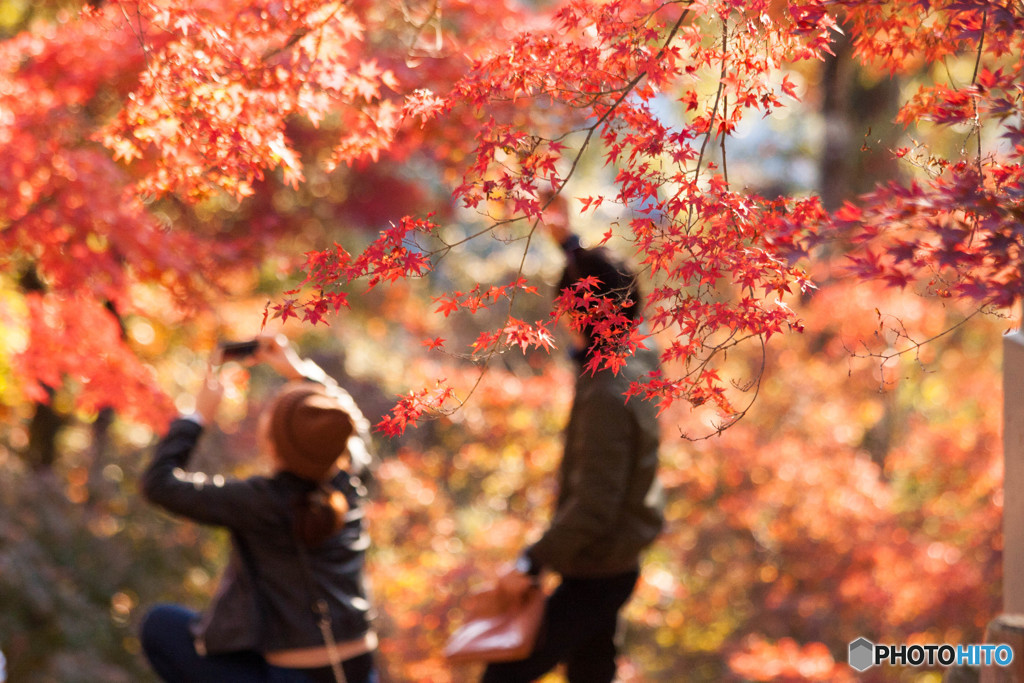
[[309, 430]]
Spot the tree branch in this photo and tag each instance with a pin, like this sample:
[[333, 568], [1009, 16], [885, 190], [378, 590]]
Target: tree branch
[[626, 91], [974, 80]]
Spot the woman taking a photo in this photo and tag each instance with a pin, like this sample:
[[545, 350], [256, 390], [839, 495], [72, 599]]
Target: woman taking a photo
[[291, 605]]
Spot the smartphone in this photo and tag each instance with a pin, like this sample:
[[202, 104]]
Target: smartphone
[[238, 350]]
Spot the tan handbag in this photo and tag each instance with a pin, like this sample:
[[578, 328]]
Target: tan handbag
[[499, 628]]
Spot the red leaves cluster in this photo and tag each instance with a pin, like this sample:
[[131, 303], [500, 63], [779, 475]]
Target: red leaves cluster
[[788, 660], [613, 336], [223, 78], [393, 256], [77, 339], [956, 232], [514, 333], [475, 299], [902, 37], [411, 407], [713, 255], [73, 226], [815, 534], [218, 81], [199, 96], [958, 236]]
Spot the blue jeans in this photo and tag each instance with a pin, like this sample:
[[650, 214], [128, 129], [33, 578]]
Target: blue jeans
[[580, 620], [168, 645]]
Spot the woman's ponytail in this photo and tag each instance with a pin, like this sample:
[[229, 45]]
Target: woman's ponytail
[[319, 514]]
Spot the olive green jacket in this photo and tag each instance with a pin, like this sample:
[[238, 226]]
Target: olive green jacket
[[610, 501]]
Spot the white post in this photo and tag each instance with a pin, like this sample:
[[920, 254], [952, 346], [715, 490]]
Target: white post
[[1013, 476], [1008, 627]]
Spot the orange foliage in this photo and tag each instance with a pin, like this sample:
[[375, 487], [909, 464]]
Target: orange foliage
[[152, 145]]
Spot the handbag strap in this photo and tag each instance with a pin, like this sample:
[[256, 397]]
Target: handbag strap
[[323, 614]]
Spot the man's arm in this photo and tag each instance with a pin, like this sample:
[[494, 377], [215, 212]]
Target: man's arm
[[598, 479]]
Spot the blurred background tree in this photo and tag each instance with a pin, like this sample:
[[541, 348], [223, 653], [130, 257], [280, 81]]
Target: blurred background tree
[[177, 171]]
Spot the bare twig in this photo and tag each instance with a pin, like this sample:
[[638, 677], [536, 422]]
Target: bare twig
[[974, 100], [914, 346]]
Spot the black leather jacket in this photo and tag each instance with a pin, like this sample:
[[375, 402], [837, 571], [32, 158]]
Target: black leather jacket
[[610, 502], [264, 601]]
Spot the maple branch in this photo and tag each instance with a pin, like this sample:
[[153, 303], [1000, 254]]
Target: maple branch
[[915, 346], [714, 109], [755, 383], [139, 31], [302, 32], [725, 99], [974, 80], [191, 136], [725, 162], [433, 17], [735, 417], [495, 223], [522, 267], [485, 361], [592, 129], [627, 89]]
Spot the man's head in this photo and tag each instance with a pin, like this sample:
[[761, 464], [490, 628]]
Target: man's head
[[613, 281], [555, 216]]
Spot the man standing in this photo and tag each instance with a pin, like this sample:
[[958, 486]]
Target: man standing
[[609, 506]]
